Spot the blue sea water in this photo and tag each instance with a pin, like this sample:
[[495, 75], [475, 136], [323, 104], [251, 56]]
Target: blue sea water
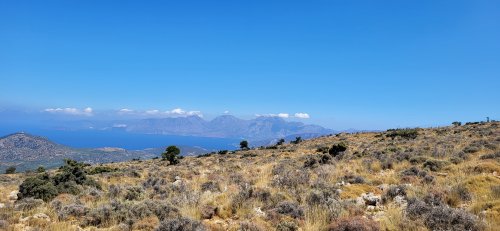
[[122, 139]]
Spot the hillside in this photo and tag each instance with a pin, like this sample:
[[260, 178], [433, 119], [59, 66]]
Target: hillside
[[27, 152], [408, 179]]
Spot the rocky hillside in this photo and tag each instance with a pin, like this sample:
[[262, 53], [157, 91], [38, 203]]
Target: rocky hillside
[[27, 152], [407, 179]]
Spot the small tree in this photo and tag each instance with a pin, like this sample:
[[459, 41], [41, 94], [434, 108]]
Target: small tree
[[456, 123], [10, 170], [280, 142], [244, 145], [171, 154], [297, 140], [40, 169]]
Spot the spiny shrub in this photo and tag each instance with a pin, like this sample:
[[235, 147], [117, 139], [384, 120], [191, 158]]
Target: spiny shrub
[[248, 226], [180, 224], [435, 165], [27, 204], [287, 226], [356, 223], [291, 179], [490, 156], [133, 193], [394, 191], [210, 186], [71, 210], [289, 208], [441, 217]]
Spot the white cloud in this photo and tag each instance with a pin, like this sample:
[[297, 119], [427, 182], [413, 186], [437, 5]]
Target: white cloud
[[283, 115], [71, 111], [302, 115], [226, 112], [152, 112], [174, 113], [125, 110], [280, 115]]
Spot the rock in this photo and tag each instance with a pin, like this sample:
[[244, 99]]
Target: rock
[[177, 183], [41, 216], [178, 178], [383, 187], [370, 199], [370, 208], [259, 212], [13, 195], [400, 200], [2, 205]]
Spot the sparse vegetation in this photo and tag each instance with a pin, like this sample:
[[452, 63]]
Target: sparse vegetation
[[363, 181]]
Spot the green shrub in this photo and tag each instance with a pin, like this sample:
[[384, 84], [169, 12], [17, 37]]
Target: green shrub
[[70, 179], [297, 140], [40, 169], [39, 187], [336, 149], [10, 170], [407, 133]]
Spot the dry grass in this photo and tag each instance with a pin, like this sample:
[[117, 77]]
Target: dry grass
[[247, 193]]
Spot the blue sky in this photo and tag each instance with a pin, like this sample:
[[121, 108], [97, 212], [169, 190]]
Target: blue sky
[[347, 64]]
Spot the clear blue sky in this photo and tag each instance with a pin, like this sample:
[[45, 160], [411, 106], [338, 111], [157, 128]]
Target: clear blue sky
[[360, 64]]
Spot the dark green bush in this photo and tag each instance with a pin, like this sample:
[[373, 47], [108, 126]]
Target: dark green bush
[[39, 187], [336, 149], [244, 145], [407, 133], [10, 170], [70, 179]]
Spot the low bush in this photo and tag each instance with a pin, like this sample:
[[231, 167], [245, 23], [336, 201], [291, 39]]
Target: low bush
[[394, 191], [210, 186], [435, 165], [27, 204], [289, 208], [407, 133], [490, 156], [356, 223], [180, 224], [287, 226], [437, 216], [337, 149], [70, 179]]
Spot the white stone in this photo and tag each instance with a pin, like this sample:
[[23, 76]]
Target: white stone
[[13, 195], [259, 212]]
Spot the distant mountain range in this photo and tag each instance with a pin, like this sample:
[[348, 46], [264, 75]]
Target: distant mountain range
[[225, 126], [25, 151]]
